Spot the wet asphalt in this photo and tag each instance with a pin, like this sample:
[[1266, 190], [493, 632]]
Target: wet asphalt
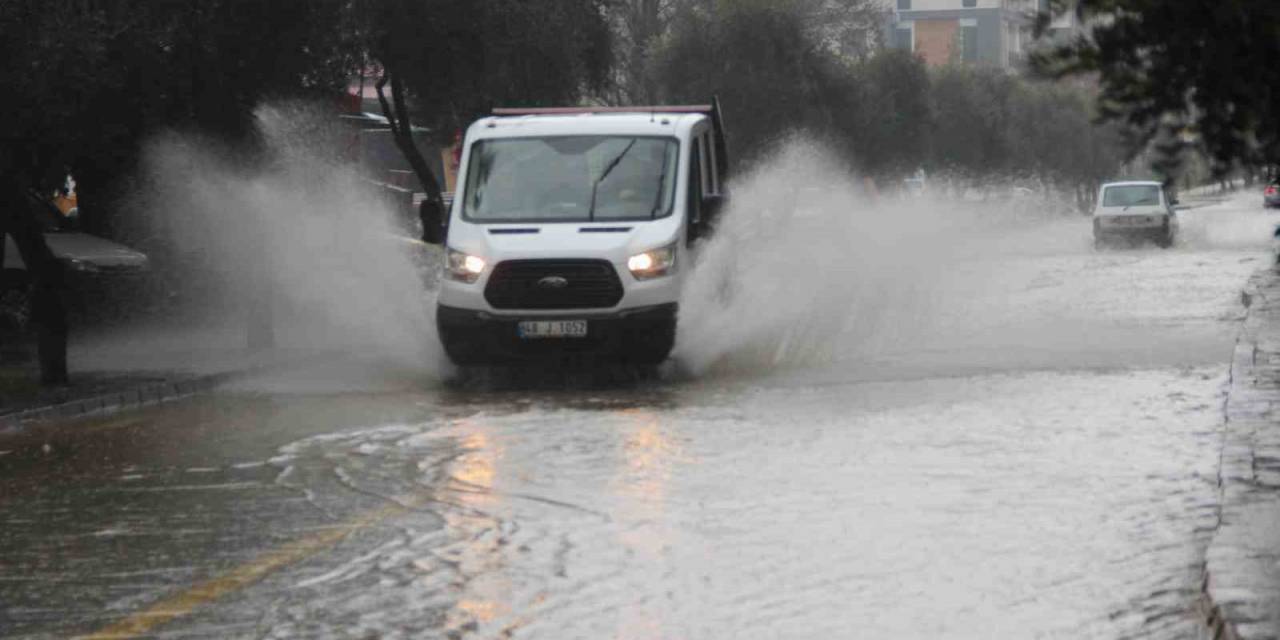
[[1044, 465]]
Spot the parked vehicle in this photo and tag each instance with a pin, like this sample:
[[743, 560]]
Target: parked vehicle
[[1134, 211], [571, 231], [79, 251], [1271, 195]]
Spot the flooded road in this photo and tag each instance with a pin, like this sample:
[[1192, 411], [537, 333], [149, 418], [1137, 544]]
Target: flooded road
[[1038, 459]]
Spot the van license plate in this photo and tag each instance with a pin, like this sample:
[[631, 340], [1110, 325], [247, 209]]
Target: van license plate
[[534, 329]]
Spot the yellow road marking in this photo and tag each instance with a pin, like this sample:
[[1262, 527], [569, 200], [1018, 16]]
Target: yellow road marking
[[183, 603]]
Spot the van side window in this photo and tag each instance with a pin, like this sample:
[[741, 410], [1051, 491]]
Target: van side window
[[713, 165], [704, 154], [695, 183]]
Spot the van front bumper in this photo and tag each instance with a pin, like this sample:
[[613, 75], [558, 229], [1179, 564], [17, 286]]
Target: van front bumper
[[642, 335]]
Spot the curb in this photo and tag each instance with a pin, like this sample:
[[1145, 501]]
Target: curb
[[1219, 627], [141, 396], [1237, 599]]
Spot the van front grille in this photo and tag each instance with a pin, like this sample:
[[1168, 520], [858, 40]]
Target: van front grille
[[553, 284]]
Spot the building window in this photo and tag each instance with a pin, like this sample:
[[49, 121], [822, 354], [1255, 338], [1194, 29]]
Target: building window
[[904, 5], [968, 4], [903, 37], [968, 42]]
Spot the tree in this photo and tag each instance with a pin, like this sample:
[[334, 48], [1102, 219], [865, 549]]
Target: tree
[[888, 121], [971, 133], [448, 62], [1056, 140], [88, 80], [851, 29], [638, 26], [1171, 64], [761, 59]]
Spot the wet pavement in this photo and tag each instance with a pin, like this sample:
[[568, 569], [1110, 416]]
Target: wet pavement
[[1039, 461]]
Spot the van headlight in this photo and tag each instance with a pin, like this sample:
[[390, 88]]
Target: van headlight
[[463, 267], [653, 263]]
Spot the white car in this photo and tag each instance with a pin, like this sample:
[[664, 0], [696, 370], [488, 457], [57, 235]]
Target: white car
[[1137, 210], [570, 231]]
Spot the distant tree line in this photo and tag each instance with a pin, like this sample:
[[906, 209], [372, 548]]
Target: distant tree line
[[775, 69]]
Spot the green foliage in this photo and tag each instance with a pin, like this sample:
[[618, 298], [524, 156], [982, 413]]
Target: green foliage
[[460, 58], [1164, 64], [888, 119], [991, 124], [972, 136], [771, 65], [758, 58], [90, 80]]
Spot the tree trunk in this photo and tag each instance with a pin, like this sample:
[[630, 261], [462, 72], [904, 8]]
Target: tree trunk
[[402, 132], [48, 313]]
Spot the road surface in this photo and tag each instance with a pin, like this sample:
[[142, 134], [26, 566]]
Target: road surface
[[1026, 447]]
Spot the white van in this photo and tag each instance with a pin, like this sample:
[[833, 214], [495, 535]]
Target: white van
[[570, 231], [1135, 210]]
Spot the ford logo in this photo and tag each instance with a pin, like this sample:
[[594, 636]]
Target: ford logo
[[553, 282]]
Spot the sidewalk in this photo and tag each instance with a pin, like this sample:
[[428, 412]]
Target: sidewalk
[[1243, 559], [123, 370]]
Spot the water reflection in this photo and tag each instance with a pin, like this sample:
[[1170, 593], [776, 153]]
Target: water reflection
[[472, 474], [649, 453], [642, 485], [477, 554]]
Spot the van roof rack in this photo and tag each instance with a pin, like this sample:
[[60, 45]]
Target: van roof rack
[[547, 111]]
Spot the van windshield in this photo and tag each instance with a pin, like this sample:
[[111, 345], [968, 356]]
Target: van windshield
[[570, 179], [1134, 195]]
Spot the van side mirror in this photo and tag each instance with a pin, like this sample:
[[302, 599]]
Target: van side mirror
[[434, 224], [709, 210], [711, 206]]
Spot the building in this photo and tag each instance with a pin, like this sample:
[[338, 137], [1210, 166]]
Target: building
[[980, 32]]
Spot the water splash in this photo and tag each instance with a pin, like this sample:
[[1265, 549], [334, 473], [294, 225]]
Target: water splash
[[807, 266], [339, 267]]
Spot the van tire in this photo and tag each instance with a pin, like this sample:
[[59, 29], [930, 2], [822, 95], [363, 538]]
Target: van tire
[[651, 347]]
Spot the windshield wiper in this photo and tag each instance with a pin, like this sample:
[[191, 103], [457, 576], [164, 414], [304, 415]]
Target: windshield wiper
[[591, 213]]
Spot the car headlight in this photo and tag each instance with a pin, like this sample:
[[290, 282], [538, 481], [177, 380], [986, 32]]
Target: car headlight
[[463, 267], [653, 263]]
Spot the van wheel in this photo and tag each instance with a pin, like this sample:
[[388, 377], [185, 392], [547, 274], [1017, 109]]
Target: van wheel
[[653, 346], [461, 351]]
